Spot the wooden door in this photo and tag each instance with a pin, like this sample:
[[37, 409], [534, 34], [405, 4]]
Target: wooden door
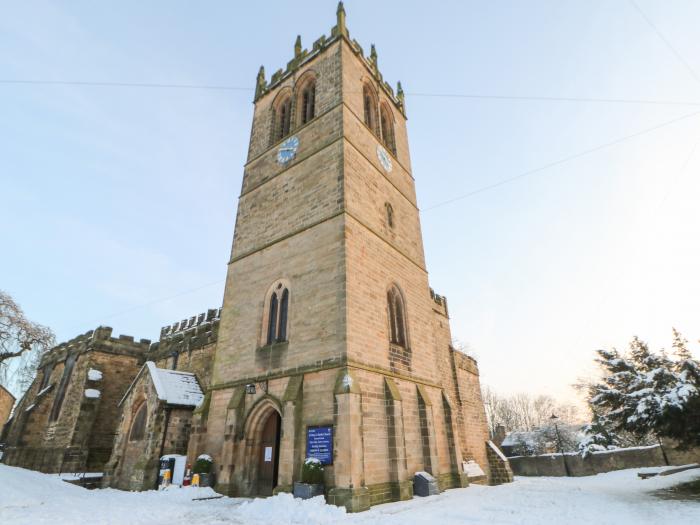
[[269, 455]]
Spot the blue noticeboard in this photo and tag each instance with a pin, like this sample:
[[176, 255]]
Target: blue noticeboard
[[319, 444]]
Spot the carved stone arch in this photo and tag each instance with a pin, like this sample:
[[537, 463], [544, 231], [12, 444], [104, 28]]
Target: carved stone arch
[[259, 412], [397, 319], [276, 289], [370, 105], [281, 115], [138, 420], [400, 353], [389, 212], [252, 446], [305, 97]]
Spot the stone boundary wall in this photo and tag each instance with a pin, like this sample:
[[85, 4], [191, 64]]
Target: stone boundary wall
[[599, 462]]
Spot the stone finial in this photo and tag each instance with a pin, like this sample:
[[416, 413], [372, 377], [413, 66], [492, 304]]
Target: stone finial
[[340, 15], [297, 47], [260, 83], [401, 98], [373, 58]]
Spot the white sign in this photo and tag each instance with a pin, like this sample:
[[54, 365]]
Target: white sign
[[472, 469], [268, 454]]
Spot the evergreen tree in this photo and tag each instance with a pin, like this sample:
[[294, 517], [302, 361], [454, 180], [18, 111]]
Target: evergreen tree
[[599, 437], [644, 392], [680, 348]]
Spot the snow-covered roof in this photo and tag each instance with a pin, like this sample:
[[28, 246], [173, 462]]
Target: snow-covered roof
[[172, 386], [516, 438], [176, 388], [532, 437]]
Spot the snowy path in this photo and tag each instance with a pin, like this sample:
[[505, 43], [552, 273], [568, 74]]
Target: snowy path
[[28, 497]]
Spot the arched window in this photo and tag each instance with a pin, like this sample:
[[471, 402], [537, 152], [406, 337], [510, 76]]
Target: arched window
[[277, 315], [272, 320], [61, 393], [370, 106], [284, 307], [45, 378], [138, 424], [389, 215], [307, 107], [397, 317], [386, 120], [281, 117]]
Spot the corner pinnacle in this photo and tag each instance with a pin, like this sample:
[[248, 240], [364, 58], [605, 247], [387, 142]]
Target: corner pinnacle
[[400, 96], [340, 15], [297, 47], [260, 83]]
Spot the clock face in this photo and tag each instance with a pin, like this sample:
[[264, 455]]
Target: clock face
[[384, 158], [288, 150]]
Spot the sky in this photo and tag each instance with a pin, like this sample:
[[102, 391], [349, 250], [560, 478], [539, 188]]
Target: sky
[[554, 227]]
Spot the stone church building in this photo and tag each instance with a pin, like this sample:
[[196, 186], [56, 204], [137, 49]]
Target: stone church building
[[330, 343], [330, 336], [68, 419]]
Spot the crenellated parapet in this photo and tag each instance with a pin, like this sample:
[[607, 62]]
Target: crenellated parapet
[[98, 339], [302, 56], [187, 335], [440, 302]]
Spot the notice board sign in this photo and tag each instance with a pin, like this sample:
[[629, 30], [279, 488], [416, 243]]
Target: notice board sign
[[319, 444]]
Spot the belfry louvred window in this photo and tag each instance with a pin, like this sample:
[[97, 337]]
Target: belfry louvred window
[[283, 118], [277, 315], [370, 107], [397, 317], [308, 102], [387, 125]]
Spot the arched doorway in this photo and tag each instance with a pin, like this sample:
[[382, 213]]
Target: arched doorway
[[269, 455]]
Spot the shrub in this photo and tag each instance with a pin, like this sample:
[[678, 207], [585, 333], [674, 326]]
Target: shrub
[[203, 464], [312, 472]]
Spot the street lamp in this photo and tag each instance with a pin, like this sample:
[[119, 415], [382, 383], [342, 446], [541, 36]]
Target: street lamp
[[250, 387], [553, 419]]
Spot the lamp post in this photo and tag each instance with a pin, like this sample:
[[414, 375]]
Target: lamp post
[[553, 419]]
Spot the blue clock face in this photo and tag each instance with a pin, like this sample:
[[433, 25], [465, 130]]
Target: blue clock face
[[288, 150]]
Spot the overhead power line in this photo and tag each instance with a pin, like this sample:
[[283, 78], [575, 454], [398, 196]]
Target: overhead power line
[[475, 96], [561, 161], [558, 99], [665, 40], [155, 301], [149, 85]]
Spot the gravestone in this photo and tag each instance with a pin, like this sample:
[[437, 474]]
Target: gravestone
[[424, 484]]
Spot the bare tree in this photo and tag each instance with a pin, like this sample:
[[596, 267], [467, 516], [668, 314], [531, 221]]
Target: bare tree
[[524, 412], [22, 343]]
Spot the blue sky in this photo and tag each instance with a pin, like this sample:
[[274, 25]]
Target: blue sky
[[119, 202]]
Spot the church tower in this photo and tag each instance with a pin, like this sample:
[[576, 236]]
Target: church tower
[[332, 344]]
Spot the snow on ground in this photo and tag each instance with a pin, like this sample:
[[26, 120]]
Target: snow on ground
[[618, 498]]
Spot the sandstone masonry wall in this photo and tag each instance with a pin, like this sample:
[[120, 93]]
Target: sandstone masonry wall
[[7, 401], [80, 437]]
